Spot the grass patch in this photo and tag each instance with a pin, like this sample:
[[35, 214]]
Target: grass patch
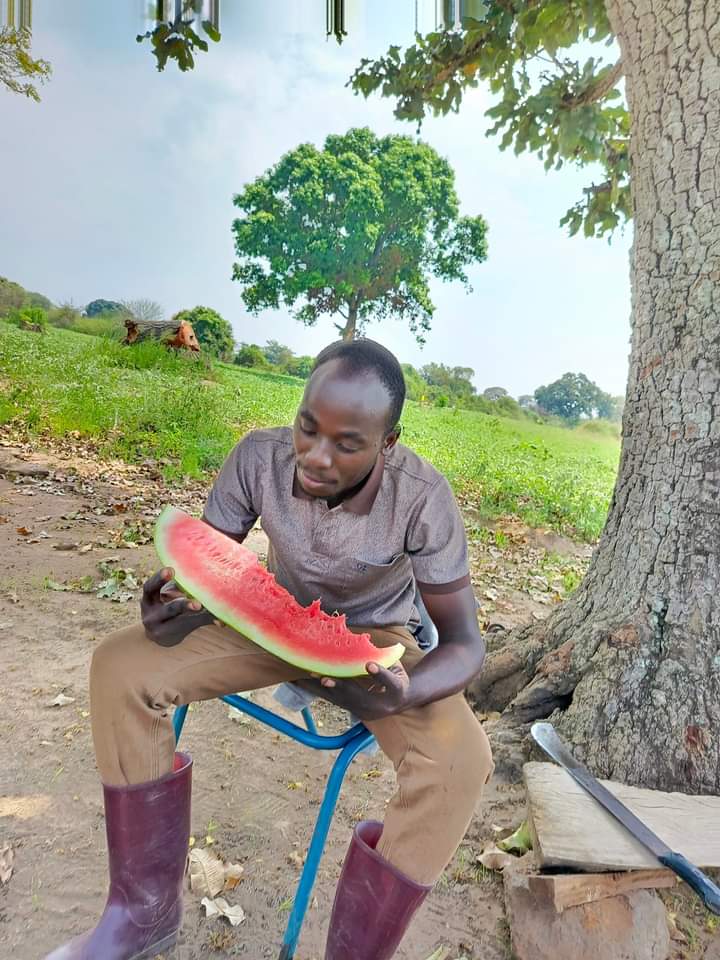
[[147, 402]]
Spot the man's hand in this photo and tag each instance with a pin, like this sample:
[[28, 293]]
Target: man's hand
[[382, 694], [168, 617]]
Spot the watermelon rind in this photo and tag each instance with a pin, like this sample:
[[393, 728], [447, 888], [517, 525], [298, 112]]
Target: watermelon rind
[[384, 656]]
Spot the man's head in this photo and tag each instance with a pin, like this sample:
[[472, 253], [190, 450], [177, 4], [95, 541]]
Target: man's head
[[348, 415]]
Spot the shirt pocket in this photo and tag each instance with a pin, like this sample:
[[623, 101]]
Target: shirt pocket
[[368, 577]]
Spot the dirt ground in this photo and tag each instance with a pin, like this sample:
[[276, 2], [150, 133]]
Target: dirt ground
[[66, 523]]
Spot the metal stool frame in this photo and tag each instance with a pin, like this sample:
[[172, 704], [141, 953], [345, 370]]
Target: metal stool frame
[[349, 743]]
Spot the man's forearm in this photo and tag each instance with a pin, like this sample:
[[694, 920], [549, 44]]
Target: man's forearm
[[446, 670]]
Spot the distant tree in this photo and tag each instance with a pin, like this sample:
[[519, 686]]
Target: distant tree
[[277, 354], [494, 393], [34, 299], [213, 331], [355, 229], [571, 397], [96, 307], [12, 296], [64, 316], [527, 401], [250, 355], [18, 70], [454, 380], [143, 311], [300, 366], [416, 386]]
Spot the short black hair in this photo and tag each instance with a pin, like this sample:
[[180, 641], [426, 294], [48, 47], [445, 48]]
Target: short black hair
[[365, 356]]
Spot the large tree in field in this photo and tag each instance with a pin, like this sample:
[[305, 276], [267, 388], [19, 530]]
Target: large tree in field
[[355, 230], [629, 668]]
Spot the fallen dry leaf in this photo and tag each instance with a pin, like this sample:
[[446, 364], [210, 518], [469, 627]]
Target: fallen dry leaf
[[61, 701], [24, 807], [296, 858], [7, 856], [233, 875], [221, 908], [207, 873], [4, 520], [24, 531]]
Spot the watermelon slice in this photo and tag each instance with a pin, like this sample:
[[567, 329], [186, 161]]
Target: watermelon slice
[[229, 581]]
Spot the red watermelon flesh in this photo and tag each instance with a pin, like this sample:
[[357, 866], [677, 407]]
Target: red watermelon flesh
[[229, 581]]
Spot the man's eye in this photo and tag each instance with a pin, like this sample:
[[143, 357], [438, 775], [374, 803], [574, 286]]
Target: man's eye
[[341, 446], [307, 430]]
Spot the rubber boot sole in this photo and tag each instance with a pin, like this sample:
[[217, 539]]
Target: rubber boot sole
[[156, 948]]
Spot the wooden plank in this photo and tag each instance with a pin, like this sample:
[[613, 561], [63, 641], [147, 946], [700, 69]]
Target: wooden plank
[[564, 890], [573, 830]]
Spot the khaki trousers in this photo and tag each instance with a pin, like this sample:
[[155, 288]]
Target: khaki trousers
[[440, 752]]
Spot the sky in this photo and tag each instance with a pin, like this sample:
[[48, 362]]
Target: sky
[[119, 185]]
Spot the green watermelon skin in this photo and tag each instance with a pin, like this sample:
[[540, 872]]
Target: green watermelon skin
[[229, 581]]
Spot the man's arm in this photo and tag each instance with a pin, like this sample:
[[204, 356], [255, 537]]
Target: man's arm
[[459, 655]]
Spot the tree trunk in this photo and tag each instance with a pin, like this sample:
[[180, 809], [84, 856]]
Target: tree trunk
[[630, 667], [349, 331]]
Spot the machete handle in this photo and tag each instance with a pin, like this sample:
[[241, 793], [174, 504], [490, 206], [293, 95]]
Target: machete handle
[[695, 878]]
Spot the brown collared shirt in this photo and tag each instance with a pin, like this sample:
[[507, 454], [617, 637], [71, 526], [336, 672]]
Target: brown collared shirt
[[363, 557]]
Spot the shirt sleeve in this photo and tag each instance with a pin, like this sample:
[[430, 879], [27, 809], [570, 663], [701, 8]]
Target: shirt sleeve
[[234, 502], [436, 542]]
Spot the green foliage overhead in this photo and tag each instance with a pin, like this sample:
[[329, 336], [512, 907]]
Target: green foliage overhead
[[19, 72], [354, 229], [177, 39], [213, 331], [548, 100], [574, 396]]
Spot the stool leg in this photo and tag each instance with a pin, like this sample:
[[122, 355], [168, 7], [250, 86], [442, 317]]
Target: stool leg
[[309, 720], [179, 720], [317, 843]]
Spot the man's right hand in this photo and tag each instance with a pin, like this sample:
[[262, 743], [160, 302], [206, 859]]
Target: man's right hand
[[168, 617]]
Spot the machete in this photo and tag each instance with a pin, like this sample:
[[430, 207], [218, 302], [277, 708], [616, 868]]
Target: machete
[[545, 736]]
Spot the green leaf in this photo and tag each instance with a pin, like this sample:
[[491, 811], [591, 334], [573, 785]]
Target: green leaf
[[519, 842]]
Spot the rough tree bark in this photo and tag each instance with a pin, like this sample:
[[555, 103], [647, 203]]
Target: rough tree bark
[[630, 667]]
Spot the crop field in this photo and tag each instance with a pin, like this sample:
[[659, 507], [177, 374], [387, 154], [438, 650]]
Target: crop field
[[143, 402]]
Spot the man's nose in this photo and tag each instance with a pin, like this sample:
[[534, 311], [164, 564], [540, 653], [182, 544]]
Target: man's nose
[[319, 456]]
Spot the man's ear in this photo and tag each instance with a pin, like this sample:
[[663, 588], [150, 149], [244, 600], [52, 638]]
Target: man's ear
[[391, 439]]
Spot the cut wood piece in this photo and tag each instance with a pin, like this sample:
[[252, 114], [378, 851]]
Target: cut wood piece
[[571, 829], [572, 889]]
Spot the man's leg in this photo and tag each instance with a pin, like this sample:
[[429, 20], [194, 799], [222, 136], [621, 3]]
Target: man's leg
[[442, 760], [134, 682]]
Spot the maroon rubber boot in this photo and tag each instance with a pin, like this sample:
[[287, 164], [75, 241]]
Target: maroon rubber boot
[[374, 902], [148, 830]]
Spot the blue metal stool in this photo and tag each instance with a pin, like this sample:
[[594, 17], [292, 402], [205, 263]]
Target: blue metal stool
[[349, 744]]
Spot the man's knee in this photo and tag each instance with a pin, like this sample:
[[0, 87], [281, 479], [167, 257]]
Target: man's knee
[[471, 765], [113, 662]]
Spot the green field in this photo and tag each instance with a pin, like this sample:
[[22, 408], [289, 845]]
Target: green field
[[142, 402]]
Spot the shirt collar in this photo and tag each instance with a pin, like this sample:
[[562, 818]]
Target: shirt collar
[[360, 503]]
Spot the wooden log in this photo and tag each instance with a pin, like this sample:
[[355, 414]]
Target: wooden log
[[572, 889], [572, 830]]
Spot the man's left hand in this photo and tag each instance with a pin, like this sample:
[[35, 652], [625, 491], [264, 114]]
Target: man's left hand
[[386, 691]]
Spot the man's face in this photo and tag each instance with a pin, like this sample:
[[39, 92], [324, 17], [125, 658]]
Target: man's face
[[339, 430]]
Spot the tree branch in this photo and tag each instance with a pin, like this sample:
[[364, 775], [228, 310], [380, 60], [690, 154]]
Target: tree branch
[[596, 91]]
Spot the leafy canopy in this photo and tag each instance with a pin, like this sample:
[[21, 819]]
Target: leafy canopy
[[574, 396], [551, 99], [354, 229], [19, 72], [213, 332]]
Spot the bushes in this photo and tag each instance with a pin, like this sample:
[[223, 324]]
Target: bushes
[[29, 318], [274, 357]]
